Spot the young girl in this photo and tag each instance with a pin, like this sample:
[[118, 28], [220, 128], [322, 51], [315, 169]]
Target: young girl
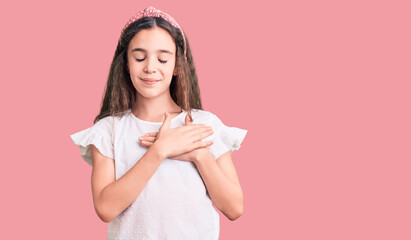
[[159, 160]]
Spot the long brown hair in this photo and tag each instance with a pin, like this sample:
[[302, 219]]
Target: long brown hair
[[119, 92]]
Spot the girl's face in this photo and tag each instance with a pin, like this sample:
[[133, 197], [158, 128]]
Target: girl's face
[[151, 62]]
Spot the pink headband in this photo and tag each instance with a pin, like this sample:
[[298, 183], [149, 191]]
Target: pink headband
[[153, 12]]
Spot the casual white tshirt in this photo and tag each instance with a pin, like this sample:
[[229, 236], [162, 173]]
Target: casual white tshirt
[[175, 203]]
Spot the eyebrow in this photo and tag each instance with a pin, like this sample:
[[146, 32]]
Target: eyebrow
[[143, 50]]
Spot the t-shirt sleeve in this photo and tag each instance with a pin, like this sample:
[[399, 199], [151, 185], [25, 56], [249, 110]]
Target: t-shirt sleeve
[[100, 135], [224, 138]]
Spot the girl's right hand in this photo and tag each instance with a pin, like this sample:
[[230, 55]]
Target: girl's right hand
[[179, 140]]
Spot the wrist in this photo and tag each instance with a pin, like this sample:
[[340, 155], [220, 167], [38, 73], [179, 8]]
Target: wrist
[[159, 150]]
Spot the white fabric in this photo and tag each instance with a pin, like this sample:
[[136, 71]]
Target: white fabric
[[174, 204]]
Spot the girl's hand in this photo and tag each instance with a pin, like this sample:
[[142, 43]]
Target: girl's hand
[[149, 138], [177, 141]]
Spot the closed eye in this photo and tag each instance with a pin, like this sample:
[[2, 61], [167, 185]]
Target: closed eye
[[140, 60]]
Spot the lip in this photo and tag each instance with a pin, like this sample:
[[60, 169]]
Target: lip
[[149, 81]]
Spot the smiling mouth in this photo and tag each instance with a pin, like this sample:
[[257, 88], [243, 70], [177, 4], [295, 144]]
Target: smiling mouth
[[149, 81]]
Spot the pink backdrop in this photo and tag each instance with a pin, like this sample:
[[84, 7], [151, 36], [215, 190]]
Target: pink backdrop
[[323, 89]]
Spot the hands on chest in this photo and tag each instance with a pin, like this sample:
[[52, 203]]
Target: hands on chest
[[181, 143]]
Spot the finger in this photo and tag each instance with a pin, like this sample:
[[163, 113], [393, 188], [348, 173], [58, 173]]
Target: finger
[[166, 122], [146, 144], [193, 126], [200, 134], [200, 130], [187, 120], [200, 144], [151, 134], [148, 139]]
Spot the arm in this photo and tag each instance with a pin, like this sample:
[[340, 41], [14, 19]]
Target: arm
[[112, 196], [221, 180]]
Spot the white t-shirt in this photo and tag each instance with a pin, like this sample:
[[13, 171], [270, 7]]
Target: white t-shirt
[[175, 203]]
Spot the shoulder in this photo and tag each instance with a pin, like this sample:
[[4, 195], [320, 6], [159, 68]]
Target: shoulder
[[200, 115], [204, 116], [106, 124], [118, 116]]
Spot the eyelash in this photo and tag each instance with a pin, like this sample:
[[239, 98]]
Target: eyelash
[[162, 62]]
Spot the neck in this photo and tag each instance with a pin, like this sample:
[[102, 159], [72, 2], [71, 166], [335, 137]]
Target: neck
[[153, 109]]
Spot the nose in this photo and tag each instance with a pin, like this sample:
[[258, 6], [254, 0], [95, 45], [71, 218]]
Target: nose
[[150, 66]]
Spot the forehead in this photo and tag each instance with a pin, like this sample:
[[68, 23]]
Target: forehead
[[152, 40]]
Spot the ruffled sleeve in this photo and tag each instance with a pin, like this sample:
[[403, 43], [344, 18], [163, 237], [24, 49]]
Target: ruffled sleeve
[[224, 138], [100, 135]]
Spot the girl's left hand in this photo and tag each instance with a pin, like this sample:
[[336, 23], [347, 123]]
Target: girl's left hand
[[149, 138]]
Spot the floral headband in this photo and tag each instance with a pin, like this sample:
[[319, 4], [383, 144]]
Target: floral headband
[[153, 12]]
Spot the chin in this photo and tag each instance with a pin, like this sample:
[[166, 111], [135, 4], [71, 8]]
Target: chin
[[150, 94]]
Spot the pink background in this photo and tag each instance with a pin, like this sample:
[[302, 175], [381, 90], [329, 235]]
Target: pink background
[[323, 88]]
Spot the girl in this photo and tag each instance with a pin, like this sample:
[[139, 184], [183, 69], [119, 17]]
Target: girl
[[159, 160]]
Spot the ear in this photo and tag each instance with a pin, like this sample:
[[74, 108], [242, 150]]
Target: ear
[[175, 71]]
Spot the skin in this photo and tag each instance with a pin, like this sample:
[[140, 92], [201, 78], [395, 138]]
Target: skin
[[154, 103]]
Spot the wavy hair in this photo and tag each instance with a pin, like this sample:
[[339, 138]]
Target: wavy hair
[[120, 94]]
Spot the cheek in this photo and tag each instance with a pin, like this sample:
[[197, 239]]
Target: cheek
[[132, 66], [135, 72], [170, 69]]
